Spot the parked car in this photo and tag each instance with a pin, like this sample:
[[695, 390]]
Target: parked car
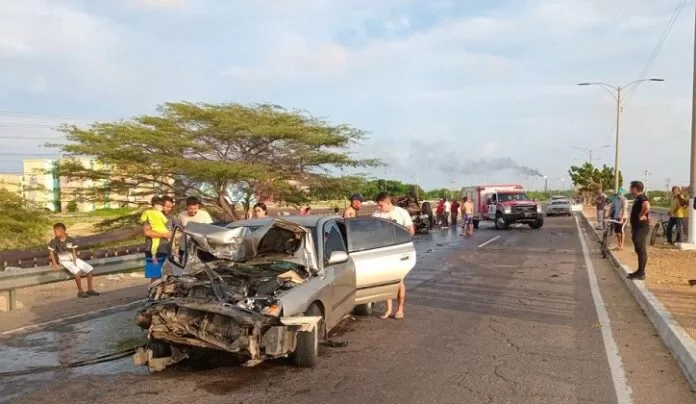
[[559, 206], [271, 287]]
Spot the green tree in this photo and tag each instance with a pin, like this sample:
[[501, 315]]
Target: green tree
[[21, 225], [589, 179], [206, 149]]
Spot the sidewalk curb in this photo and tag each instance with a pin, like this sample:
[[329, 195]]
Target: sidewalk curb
[[679, 342]]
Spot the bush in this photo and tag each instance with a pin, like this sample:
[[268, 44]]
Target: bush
[[21, 226], [72, 206]]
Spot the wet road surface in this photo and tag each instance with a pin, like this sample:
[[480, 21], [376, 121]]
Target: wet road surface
[[512, 321]]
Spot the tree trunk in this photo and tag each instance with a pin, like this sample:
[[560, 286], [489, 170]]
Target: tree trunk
[[229, 209]]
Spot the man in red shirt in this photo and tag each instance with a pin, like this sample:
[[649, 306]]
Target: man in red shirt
[[454, 212], [440, 211]]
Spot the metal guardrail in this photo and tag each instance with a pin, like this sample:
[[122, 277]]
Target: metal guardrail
[[16, 278]]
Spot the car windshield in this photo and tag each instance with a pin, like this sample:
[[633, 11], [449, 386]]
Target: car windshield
[[516, 196]]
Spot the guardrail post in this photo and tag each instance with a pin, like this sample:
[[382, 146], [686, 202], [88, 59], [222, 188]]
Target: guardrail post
[[11, 299]]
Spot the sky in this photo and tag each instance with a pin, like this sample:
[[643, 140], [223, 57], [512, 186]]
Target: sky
[[447, 89]]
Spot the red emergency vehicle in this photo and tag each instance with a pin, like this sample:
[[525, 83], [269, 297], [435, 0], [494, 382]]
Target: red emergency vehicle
[[504, 205]]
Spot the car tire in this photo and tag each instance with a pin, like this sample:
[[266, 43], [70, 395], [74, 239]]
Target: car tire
[[306, 352], [537, 224], [476, 224], [500, 222], [363, 309]]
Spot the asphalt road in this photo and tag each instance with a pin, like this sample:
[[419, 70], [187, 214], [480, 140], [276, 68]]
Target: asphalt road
[[512, 321]]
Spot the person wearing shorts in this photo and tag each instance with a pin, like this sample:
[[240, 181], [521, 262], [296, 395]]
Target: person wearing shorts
[[63, 252], [619, 211], [468, 212]]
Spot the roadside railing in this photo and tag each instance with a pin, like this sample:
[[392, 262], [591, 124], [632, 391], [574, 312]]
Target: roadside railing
[[16, 278]]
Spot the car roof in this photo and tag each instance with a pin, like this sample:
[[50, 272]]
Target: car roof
[[306, 221]]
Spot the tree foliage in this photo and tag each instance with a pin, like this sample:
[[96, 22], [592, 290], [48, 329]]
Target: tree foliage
[[261, 151], [589, 179], [20, 224]]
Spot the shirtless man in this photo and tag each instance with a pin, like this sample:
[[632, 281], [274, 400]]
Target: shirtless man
[[468, 212], [356, 201]]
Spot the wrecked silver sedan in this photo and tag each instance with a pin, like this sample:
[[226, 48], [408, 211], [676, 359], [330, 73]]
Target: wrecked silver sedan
[[269, 288]]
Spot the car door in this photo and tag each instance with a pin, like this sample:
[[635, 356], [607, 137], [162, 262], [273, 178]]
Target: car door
[[491, 207], [383, 254], [341, 276]]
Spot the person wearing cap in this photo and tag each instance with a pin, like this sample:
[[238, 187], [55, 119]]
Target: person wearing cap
[[356, 201], [619, 211]]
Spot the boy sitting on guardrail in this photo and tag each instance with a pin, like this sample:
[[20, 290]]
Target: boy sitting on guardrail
[[63, 251]]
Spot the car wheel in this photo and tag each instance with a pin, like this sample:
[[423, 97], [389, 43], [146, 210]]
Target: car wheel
[[476, 224], [537, 224], [500, 222], [363, 309], [307, 349]]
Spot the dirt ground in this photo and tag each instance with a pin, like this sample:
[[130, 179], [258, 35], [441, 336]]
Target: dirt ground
[[669, 271], [57, 300]]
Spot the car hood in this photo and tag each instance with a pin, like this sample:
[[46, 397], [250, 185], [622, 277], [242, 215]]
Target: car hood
[[278, 241], [518, 203]]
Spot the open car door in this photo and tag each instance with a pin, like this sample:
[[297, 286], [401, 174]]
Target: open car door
[[383, 254]]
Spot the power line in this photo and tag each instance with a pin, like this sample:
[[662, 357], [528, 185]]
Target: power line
[[660, 43], [49, 115]]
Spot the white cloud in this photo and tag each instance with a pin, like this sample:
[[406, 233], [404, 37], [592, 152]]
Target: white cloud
[[500, 78], [160, 4]]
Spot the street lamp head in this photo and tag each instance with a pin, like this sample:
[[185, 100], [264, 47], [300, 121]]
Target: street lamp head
[[656, 79], [584, 84]]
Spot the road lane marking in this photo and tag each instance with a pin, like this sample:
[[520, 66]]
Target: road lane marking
[[621, 387], [34, 327], [489, 241]]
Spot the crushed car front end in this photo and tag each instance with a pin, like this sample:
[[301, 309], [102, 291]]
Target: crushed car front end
[[229, 300]]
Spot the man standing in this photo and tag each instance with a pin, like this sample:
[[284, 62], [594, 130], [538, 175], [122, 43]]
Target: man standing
[[447, 207], [356, 201], [640, 228], [676, 215], [439, 211], [455, 212], [153, 269], [387, 210], [619, 212], [194, 213], [468, 212], [600, 202]]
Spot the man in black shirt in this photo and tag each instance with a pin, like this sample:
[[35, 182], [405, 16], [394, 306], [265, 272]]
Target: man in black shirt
[[640, 228]]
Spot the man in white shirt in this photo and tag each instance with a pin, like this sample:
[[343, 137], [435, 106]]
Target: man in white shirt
[[446, 214], [194, 213], [399, 215]]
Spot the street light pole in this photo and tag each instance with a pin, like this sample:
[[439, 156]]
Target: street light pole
[[590, 150], [692, 180], [616, 92], [617, 144]]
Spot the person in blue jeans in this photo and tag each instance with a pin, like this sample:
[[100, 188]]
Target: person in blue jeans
[[153, 268]]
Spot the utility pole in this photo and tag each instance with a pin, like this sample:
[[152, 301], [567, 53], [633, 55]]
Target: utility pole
[[646, 173], [546, 184], [590, 150], [668, 182], [616, 92], [692, 180]]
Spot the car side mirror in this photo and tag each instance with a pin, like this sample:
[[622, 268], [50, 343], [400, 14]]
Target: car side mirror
[[338, 257]]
